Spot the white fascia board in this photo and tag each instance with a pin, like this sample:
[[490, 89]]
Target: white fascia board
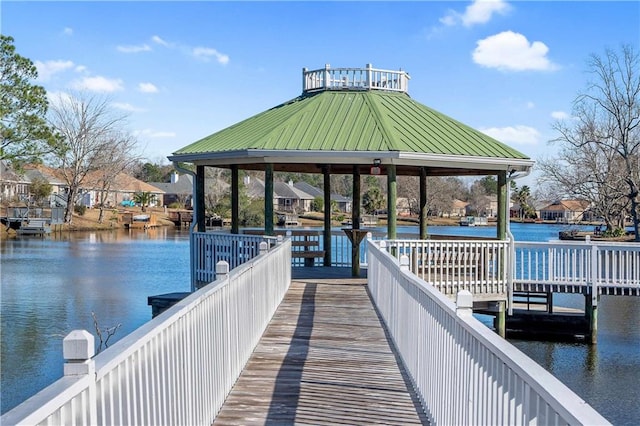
[[254, 156]]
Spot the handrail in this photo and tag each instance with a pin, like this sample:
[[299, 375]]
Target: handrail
[[177, 368], [463, 372], [603, 266], [479, 266], [367, 78], [208, 248]]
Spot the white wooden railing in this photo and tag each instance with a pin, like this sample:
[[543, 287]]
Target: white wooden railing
[[367, 78], [609, 268], [209, 248], [479, 266], [178, 368], [463, 372]]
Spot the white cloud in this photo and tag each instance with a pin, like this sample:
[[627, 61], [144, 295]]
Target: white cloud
[[158, 40], [127, 107], [520, 135], [147, 88], [98, 84], [81, 68], [148, 133], [67, 31], [560, 115], [530, 105], [205, 53], [134, 49], [478, 12], [49, 68], [509, 51]]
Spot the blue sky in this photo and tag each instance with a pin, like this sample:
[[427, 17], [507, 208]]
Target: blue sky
[[184, 70]]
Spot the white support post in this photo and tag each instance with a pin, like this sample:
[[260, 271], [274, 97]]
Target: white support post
[[404, 262], [464, 303], [327, 76], [78, 348], [280, 239], [222, 269], [594, 275], [264, 247]]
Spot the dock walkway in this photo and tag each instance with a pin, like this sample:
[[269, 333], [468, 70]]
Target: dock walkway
[[325, 358]]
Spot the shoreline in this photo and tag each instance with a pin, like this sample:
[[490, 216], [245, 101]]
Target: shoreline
[[89, 222]]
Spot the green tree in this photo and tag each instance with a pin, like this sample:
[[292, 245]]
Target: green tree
[[144, 199], [153, 172], [26, 137], [40, 189], [490, 184], [372, 200], [317, 205], [521, 196]]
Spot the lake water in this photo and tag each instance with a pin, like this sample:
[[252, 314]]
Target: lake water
[[51, 285]]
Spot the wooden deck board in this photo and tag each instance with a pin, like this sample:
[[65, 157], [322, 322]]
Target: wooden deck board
[[324, 359]]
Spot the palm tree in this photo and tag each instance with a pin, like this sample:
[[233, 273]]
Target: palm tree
[[521, 196], [144, 199]]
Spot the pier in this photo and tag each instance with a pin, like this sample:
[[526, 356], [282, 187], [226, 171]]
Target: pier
[[325, 358]]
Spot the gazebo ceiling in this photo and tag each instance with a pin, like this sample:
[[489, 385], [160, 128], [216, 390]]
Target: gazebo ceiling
[[355, 122]]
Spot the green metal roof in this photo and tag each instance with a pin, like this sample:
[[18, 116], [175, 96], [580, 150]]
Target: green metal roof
[[372, 121]]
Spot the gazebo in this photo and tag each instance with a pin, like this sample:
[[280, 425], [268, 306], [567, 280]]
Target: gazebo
[[355, 121]]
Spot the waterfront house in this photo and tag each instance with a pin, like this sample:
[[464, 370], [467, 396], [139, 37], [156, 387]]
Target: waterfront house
[[14, 187], [94, 190], [178, 190], [342, 203], [565, 211]]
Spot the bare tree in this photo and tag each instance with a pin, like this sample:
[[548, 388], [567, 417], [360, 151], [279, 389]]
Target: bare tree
[[100, 332], [86, 126], [590, 173], [441, 192], [607, 119], [409, 188], [479, 200], [118, 155]]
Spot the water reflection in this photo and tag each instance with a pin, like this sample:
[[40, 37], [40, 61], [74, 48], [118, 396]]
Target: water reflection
[[51, 286]]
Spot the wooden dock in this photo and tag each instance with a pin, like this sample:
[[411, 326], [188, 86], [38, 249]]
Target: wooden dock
[[325, 358]]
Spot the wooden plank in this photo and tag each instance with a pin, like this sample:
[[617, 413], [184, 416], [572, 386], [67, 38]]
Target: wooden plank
[[308, 253], [307, 243], [324, 359]]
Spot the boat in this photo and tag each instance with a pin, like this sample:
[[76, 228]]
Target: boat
[[288, 220], [366, 221], [138, 221], [473, 221]]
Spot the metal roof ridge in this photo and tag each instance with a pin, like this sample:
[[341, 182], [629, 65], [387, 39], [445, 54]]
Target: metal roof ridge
[[382, 121]]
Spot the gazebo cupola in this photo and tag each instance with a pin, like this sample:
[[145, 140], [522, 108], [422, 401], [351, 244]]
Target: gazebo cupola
[[354, 79]]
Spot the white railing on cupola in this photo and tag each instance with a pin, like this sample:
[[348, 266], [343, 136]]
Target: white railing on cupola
[[368, 78]]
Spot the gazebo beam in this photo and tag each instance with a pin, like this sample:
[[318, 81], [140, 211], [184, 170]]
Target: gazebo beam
[[392, 197], [424, 209], [268, 200], [357, 199], [326, 172], [502, 206], [199, 196], [235, 200]]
